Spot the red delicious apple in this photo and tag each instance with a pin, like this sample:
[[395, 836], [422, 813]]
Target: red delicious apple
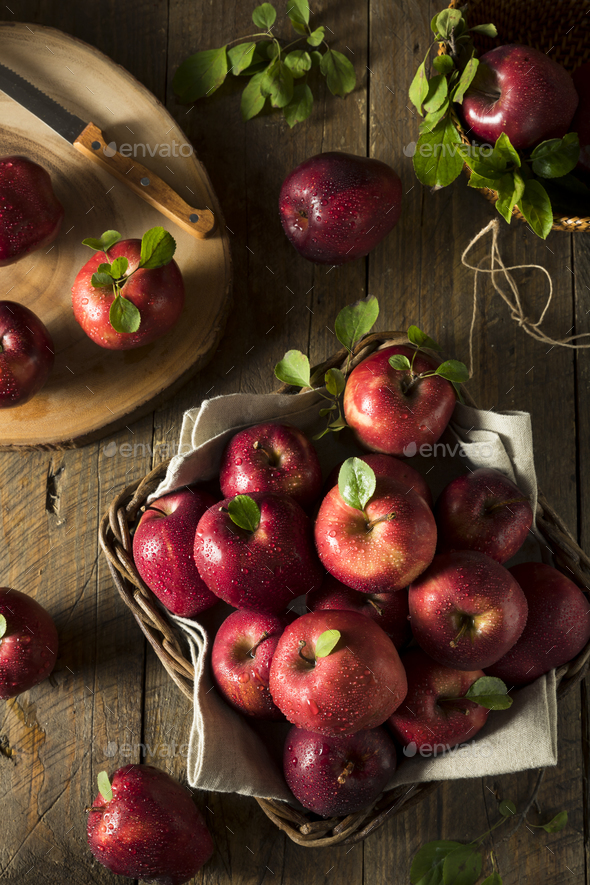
[[395, 411], [336, 207], [357, 685], [431, 713], [30, 213], [263, 562], [26, 354], [522, 92], [240, 660], [163, 551], [150, 829], [388, 610], [466, 610], [271, 458], [387, 465], [28, 643], [581, 121], [338, 775], [485, 511], [557, 629]]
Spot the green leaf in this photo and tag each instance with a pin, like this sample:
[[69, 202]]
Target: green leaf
[[273, 50], [119, 267], [300, 106], [316, 37], [294, 369], [339, 72], [510, 189], [458, 393], [335, 382], [264, 16], [277, 82], [488, 30], [420, 339], [503, 150], [244, 512], [356, 320], [3, 626], [324, 412], [437, 93], [462, 866], [101, 280], [252, 98], [454, 371], [434, 117], [433, 24], [298, 10], [104, 786], [399, 362], [535, 205], [556, 157], [337, 425], [157, 248], [493, 879], [356, 483], [447, 20], [298, 62], [316, 59], [507, 808], [469, 72], [429, 860], [419, 88], [240, 57], [200, 74], [326, 643], [437, 160], [444, 64], [489, 692], [108, 239], [557, 823], [124, 316]]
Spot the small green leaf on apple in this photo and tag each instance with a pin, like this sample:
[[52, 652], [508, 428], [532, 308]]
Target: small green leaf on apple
[[326, 643], [200, 74], [339, 72], [157, 248], [356, 320], [124, 316], [556, 824], [507, 808], [101, 280], [119, 267], [557, 156], [462, 866], [316, 37], [244, 512], [489, 692], [420, 339], [108, 239], [3, 626], [335, 382], [427, 865], [294, 369], [356, 483], [400, 362], [104, 786], [454, 371]]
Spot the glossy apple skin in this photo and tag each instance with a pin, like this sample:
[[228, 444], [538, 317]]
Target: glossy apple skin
[[158, 294], [357, 686], [466, 586], [163, 551], [485, 511], [150, 830], [241, 665], [387, 465], [313, 763], [389, 610], [271, 458], [27, 354], [522, 92], [336, 207], [30, 213], [581, 121], [388, 556], [425, 718], [264, 570], [557, 629], [28, 649], [383, 416]]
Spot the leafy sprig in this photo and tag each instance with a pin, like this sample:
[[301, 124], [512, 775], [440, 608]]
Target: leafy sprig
[[157, 250], [277, 72], [453, 370]]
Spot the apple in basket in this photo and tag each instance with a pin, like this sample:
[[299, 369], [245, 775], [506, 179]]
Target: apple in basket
[[30, 213], [581, 122], [28, 643], [394, 468], [130, 292], [26, 354]]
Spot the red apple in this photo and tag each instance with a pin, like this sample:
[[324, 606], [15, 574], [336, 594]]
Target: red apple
[[581, 121], [466, 610], [163, 551], [150, 829], [262, 565], [522, 92], [557, 629], [356, 686], [395, 411], [336, 207], [271, 458], [26, 354], [30, 213], [240, 660], [28, 643], [388, 610], [338, 775], [386, 465], [485, 511], [431, 713]]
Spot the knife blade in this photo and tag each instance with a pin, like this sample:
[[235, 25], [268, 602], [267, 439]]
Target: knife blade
[[88, 139]]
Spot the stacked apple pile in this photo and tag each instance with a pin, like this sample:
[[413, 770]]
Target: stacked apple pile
[[381, 572]]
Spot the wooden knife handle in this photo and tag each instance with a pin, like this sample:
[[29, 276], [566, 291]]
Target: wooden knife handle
[[198, 222]]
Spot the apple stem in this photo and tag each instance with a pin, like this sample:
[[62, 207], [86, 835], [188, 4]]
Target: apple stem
[[302, 644], [377, 608], [454, 642], [270, 456], [157, 509], [94, 808], [256, 644], [385, 518], [497, 506], [348, 769]]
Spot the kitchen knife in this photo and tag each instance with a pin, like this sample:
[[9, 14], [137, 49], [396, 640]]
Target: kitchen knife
[[89, 140]]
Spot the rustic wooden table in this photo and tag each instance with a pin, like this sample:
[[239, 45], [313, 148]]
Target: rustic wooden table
[[109, 694]]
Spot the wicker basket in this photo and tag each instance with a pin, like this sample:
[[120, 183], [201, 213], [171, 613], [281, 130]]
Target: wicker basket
[[115, 539], [560, 28]]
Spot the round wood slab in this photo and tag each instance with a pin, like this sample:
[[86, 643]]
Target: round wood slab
[[93, 391]]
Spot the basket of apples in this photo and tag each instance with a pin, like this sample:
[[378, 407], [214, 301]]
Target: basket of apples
[[326, 621]]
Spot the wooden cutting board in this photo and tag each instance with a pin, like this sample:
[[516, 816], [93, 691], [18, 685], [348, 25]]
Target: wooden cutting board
[[92, 391]]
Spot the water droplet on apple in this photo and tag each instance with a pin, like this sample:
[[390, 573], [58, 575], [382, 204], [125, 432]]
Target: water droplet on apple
[[313, 707], [243, 677], [238, 462]]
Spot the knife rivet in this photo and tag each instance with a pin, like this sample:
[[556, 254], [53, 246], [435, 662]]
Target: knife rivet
[[95, 145], [193, 217], [145, 181]]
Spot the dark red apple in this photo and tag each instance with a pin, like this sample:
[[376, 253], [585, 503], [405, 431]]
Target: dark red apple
[[431, 714], [581, 121], [522, 92], [395, 411], [336, 207], [28, 643], [150, 829], [557, 629], [485, 511], [466, 610], [357, 685], [338, 775], [26, 354], [271, 458], [240, 660], [30, 213], [387, 465], [163, 551]]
